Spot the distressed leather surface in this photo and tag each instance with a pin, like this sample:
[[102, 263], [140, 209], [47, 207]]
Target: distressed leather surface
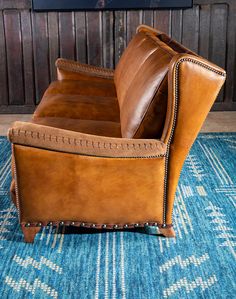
[[90, 87], [88, 106], [99, 190], [140, 79], [95, 127], [141, 82], [78, 106]]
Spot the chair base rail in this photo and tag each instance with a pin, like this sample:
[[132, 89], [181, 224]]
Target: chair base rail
[[31, 231]]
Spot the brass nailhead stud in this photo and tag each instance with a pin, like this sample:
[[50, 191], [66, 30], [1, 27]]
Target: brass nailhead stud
[[40, 224], [82, 224], [27, 224], [104, 226], [50, 223], [115, 226], [136, 225], [72, 223], [146, 224], [61, 223], [93, 225], [155, 224], [126, 226]]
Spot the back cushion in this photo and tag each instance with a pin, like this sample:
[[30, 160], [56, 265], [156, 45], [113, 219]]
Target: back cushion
[[141, 84]]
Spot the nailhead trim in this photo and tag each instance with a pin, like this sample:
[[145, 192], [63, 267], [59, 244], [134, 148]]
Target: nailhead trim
[[94, 225], [176, 78], [78, 67], [16, 183]]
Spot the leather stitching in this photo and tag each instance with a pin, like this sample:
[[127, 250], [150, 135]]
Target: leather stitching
[[83, 142], [88, 147]]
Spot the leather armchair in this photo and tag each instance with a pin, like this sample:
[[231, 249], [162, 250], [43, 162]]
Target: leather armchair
[[105, 148]]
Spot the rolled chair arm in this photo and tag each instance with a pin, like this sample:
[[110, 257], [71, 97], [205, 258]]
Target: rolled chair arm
[[146, 28], [55, 139], [77, 67]]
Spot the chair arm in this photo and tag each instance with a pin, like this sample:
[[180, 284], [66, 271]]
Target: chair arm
[[77, 67], [55, 139], [193, 85], [146, 28]]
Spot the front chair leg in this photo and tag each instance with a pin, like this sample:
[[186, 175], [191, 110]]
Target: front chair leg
[[29, 233]]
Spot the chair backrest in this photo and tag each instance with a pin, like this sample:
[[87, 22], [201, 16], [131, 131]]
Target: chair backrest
[[142, 84]]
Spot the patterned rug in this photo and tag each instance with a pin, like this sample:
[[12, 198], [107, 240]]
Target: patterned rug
[[76, 263]]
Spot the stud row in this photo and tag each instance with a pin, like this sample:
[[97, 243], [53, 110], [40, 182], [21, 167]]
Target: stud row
[[93, 225]]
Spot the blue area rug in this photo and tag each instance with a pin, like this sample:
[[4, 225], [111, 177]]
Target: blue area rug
[[199, 263]]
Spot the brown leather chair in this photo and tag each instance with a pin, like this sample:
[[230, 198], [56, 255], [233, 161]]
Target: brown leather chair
[[105, 148]]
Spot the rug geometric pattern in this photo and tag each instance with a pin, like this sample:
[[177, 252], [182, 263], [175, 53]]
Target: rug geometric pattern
[[77, 263]]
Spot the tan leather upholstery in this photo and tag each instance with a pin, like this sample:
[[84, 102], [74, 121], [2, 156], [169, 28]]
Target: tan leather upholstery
[[140, 80], [105, 148], [88, 105]]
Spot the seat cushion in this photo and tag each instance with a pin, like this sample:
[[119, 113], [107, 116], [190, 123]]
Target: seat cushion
[[104, 87], [79, 107], [87, 106], [142, 89], [94, 127]]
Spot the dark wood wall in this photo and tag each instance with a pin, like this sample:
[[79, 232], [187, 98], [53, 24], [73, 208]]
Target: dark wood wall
[[31, 42]]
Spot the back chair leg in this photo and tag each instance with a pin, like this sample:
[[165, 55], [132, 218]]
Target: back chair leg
[[29, 233], [167, 232]]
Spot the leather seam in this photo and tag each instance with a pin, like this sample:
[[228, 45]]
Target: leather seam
[[87, 142], [143, 151]]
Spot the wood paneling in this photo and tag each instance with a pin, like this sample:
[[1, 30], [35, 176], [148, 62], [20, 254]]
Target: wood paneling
[[14, 57], [41, 54], [108, 38], [67, 35], [31, 42], [120, 34], [3, 65], [53, 43], [190, 34], [81, 36], [134, 18], [204, 30], [28, 61], [162, 20], [94, 38]]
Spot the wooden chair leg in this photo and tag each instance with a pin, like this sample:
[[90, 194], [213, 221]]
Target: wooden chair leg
[[167, 232], [29, 233]]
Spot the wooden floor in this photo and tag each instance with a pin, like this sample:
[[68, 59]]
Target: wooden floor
[[215, 122]]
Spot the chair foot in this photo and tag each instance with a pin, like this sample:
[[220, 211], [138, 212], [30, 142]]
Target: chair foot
[[167, 232], [29, 233]]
